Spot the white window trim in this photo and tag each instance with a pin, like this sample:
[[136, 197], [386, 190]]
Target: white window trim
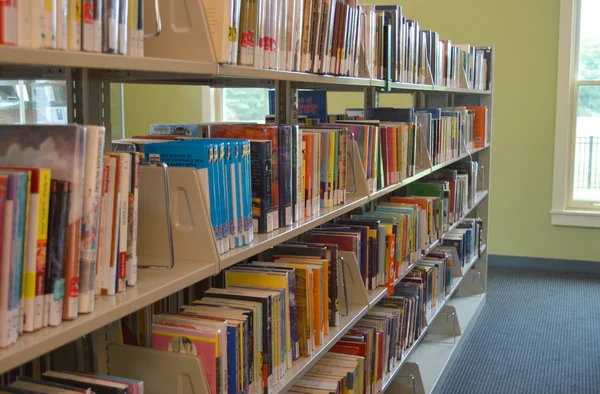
[[561, 213]]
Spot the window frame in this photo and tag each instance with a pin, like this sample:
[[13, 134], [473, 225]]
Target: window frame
[[564, 210]]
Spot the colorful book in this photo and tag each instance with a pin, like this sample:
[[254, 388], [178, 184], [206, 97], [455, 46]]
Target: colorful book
[[260, 151], [6, 214]]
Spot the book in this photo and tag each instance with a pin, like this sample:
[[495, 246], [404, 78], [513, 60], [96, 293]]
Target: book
[[261, 185], [99, 386], [110, 26], [50, 23], [54, 281], [111, 238], [104, 228], [132, 220], [8, 29], [88, 253], [6, 213], [223, 25], [74, 25], [62, 24], [35, 264], [23, 23], [98, 23], [123, 40], [87, 26]]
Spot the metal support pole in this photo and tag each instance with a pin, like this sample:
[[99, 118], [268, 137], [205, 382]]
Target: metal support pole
[[371, 98], [88, 100], [286, 97]]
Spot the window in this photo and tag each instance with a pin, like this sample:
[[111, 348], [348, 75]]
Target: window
[[33, 102], [576, 194], [244, 104]]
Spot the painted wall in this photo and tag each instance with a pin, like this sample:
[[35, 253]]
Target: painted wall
[[148, 104]]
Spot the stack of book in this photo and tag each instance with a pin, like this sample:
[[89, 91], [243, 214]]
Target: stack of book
[[109, 26], [69, 224], [338, 371], [74, 382]]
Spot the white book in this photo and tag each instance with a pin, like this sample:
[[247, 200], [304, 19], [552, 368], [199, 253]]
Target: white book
[[38, 23], [103, 229], [223, 31], [92, 188], [62, 12], [123, 26], [123, 219], [109, 266], [98, 21], [5, 274], [24, 23], [74, 25], [9, 24], [50, 20], [132, 226], [87, 26], [110, 26]]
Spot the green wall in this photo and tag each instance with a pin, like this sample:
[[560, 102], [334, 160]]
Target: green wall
[[525, 35], [148, 104]]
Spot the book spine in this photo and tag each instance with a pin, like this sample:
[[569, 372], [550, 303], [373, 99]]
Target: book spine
[[316, 177], [132, 221], [308, 182], [110, 265], [23, 22], [6, 269], [233, 194], [285, 176], [97, 25], [247, 168], [62, 11], [323, 158], [23, 232], [123, 27], [8, 23], [41, 250], [88, 251], [103, 227], [50, 21], [139, 39], [132, 27], [87, 29], [261, 186], [110, 26], [123, 220], [55, 293], [302, 175], [37, 23], [74, 25], [27, 295], [343, 158]]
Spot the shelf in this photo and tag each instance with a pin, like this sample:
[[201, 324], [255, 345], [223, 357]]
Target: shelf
[[422, 174], [445, 89], [152, 286], [303, 365], [435, 355], [447, 301], [263, 242], [116, 64]]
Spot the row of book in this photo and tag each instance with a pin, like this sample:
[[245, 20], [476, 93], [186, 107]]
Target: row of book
[[285, 173], [283, 305], [69, 225], [69, 382], [109, 26], [362, 359], [340, 37], [402, 52]]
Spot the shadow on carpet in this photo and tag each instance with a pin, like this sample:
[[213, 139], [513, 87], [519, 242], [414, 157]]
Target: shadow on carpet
[[539, 332]]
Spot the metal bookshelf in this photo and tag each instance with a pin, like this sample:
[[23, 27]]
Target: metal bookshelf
[[190, 59]]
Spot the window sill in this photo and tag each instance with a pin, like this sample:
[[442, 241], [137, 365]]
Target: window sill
[[575, 218]]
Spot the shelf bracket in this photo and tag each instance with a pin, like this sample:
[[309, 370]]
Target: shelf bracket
[[286, 97]]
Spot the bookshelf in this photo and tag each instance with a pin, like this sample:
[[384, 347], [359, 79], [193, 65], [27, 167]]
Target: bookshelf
[[189, 59]]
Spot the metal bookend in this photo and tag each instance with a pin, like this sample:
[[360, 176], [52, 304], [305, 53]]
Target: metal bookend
[[167, 191]]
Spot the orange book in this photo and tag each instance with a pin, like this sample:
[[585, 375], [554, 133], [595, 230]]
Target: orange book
[[480, 125]]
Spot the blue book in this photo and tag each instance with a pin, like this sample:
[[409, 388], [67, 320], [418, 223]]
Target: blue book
[[248, 222], [232, 358], [203, 155], [17, 193]]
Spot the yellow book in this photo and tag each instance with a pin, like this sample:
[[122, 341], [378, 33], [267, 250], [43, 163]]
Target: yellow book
[[268, 280], [257, 350], [74, 25], [132, 11]]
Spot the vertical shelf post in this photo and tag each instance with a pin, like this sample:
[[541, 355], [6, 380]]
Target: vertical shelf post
[[286, 97]]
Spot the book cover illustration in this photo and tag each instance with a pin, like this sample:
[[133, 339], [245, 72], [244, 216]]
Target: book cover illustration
[[61, 149]]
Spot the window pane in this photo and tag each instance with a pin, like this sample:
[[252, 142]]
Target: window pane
[[589, 40], [248, 104], [33, 102], [586, 175]]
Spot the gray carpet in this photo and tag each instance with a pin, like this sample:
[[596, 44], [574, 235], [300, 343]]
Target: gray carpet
[[538, 333]]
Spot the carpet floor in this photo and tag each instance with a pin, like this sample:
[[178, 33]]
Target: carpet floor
[[539, 332]]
